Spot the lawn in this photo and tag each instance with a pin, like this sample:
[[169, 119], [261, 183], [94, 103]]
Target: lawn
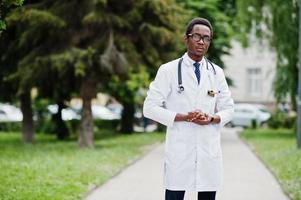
[[57, 170], [277, 148]]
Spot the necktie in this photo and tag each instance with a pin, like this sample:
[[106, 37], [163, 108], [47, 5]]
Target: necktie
[[197, 71]]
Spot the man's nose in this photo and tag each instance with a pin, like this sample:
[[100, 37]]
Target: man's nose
[[201, 41]]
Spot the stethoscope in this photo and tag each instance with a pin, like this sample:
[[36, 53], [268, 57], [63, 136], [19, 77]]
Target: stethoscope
[[180, 86]]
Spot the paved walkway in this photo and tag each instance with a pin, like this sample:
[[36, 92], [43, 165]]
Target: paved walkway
[[245, 177]]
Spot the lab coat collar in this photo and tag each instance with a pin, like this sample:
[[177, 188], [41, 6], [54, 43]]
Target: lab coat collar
[[189, 62]]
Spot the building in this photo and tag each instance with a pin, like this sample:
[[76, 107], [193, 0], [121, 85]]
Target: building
[[252, 71]]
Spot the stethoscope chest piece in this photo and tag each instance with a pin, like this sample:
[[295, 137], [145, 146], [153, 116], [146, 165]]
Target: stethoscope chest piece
[[181, 89]]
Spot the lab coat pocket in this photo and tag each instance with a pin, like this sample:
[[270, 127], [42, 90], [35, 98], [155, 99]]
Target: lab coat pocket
[[209, 104]]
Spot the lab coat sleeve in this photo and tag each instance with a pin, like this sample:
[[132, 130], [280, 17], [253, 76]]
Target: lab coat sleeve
[[224, 103], [157, 94]]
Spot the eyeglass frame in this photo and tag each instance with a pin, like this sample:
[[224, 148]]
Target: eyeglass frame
[[201, 37]]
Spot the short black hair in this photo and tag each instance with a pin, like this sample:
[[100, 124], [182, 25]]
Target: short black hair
[[201, 21]]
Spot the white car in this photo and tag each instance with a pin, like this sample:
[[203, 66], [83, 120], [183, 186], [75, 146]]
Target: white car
[[67, 113], [98, 112], [244, 114], [102, 112], [10, 113]]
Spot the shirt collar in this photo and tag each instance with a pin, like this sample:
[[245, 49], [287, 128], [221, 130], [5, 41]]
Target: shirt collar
[[189, 62]]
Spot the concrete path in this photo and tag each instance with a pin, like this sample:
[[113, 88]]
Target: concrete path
[[245, 177]]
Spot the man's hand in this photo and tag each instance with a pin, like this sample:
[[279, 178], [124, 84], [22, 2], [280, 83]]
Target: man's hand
[[199, 117], [195, 115], [191, 117]]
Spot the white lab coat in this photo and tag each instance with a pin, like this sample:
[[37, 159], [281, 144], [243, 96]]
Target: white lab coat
[[193, 159]]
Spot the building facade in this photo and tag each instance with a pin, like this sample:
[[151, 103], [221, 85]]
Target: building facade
[[252, 71]]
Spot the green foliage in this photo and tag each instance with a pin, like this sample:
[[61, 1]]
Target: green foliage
[[20, 44], [281, 120], [277, 148], [35, 18], [9, 3], [131, 91], [81, 60], [254, 124], [10, 126], [52, 170], [105, 42], [90, 42], [47, 126], [220, 14], [5, 6], [147, 33], [278, 23], [2, 26]]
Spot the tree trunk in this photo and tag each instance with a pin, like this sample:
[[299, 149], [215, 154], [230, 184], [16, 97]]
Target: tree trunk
[[60, 126], [86, 126], [27, 122], [127, 118]]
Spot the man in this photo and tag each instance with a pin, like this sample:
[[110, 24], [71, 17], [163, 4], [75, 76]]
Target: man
[[190, 96]]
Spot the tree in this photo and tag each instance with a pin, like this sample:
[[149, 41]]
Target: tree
[[85, 57], [278, 23], [61, 86], [20, 44], [5, 7], [84, 67], [92, 56], [149, 37], [161, 31], [79, 44], [220, 14], [129, 94], [141, 33]]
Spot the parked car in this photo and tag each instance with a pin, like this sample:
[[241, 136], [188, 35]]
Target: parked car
[[244, 114], [10, 113], [102, 112], [67, 113], [98, 112]]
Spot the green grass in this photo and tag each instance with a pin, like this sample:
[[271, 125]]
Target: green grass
[[277, 148], [57, 170]]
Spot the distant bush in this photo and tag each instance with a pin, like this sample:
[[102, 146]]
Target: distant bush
[[106, 124], [10, 126], [254, 124], [73, 126], [282, 120], [47, 126], [44, 125]]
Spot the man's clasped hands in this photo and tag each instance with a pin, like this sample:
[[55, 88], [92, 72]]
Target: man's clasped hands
[[199, 117]]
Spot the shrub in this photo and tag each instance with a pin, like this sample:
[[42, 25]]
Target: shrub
[[281, 120], [10, 126], [47, 126], [254, 124]]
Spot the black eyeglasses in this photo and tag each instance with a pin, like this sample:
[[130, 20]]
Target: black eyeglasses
[[198, 37]]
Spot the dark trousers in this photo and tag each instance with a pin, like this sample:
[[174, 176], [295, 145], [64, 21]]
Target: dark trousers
[[179, 195]]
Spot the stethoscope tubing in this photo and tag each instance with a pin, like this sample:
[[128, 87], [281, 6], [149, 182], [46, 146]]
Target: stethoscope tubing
[[180, 85]]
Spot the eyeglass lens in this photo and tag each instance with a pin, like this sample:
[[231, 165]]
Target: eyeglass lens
[[197, 37]]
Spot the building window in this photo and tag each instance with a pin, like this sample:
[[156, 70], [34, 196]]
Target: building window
[[254, 81]]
